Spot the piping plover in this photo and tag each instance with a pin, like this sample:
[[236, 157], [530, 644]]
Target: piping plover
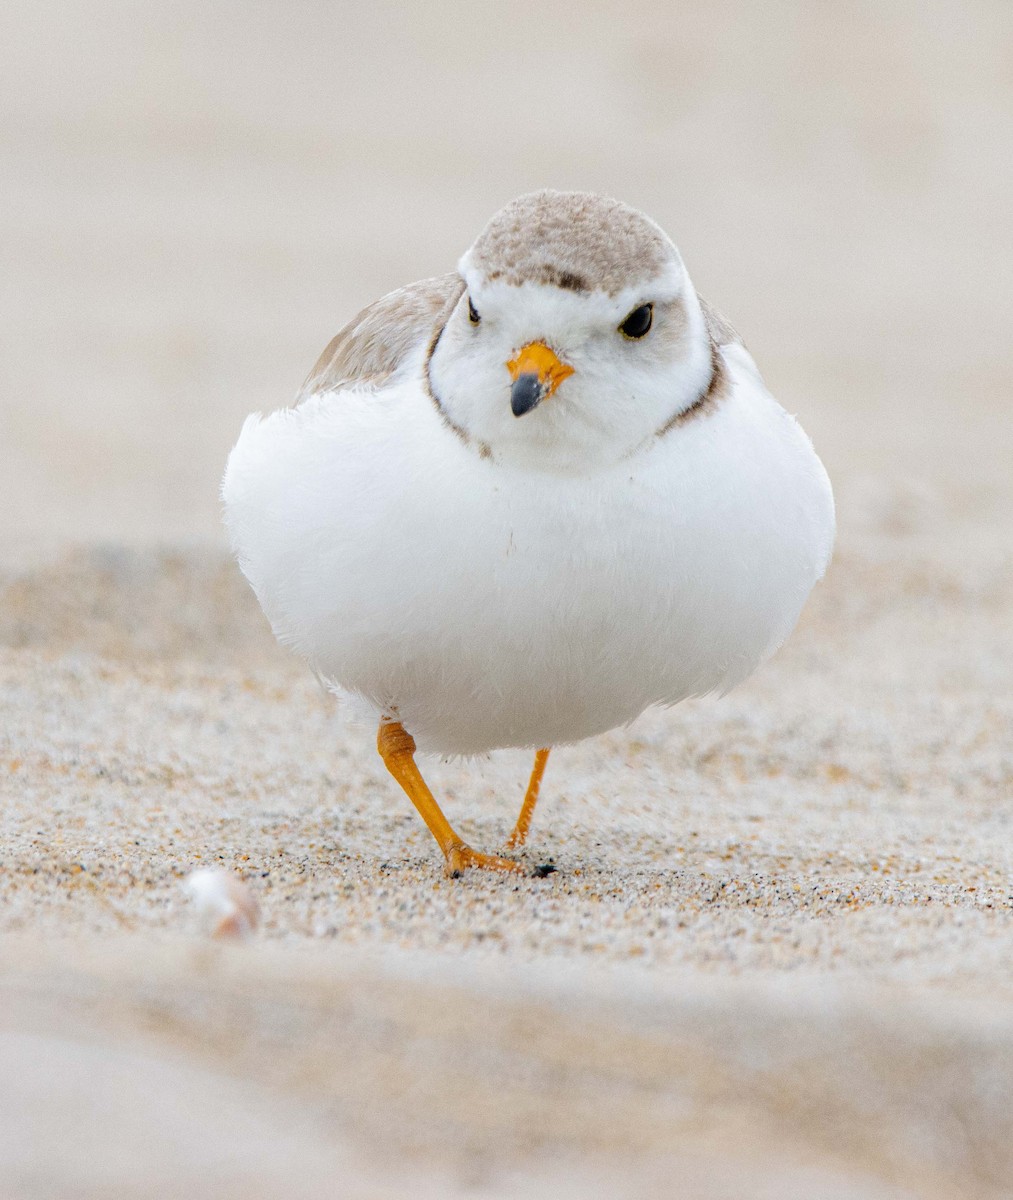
[[518, 504]]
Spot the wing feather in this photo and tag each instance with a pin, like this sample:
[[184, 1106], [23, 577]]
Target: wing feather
[[722, 332], [379, 339]]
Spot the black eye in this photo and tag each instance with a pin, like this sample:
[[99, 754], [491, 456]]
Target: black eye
[[638, 322], [473, 316]]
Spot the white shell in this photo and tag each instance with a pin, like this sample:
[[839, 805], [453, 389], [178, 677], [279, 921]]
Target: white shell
[[225, 905]]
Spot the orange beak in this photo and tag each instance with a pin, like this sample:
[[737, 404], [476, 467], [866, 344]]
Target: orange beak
[[536, 372]]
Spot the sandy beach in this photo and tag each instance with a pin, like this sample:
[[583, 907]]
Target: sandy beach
[[776, 957]]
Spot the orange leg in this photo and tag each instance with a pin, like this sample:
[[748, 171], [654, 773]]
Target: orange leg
[[520, 833], [397, 749]]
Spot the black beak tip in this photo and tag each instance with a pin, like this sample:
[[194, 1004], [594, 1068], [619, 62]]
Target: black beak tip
[[525, 394]]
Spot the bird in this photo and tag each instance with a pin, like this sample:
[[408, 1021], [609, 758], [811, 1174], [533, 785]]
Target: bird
[[518, 504]]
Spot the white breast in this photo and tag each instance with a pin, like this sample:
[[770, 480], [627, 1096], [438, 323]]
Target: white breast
[[488, 606]]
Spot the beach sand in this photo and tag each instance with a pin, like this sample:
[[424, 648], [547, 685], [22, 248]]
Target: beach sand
[[776, 957]]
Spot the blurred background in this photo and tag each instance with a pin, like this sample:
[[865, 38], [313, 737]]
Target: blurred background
[[197, 196]]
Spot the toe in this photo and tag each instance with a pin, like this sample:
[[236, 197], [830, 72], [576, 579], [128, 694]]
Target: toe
[[462, 857]]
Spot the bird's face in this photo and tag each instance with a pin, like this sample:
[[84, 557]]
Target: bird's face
[[569, 362]]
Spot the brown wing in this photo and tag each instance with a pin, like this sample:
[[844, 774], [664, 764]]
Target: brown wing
[[376, 341], [721, 332]]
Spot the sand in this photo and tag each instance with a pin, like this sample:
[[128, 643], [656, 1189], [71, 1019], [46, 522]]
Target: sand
[[776, 957]]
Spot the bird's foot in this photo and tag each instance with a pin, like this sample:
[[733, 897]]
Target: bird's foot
[[461, 857]]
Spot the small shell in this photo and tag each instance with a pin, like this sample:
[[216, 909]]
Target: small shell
[[225, 905]]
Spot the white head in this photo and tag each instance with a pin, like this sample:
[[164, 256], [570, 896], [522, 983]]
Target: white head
[[577, 338]]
